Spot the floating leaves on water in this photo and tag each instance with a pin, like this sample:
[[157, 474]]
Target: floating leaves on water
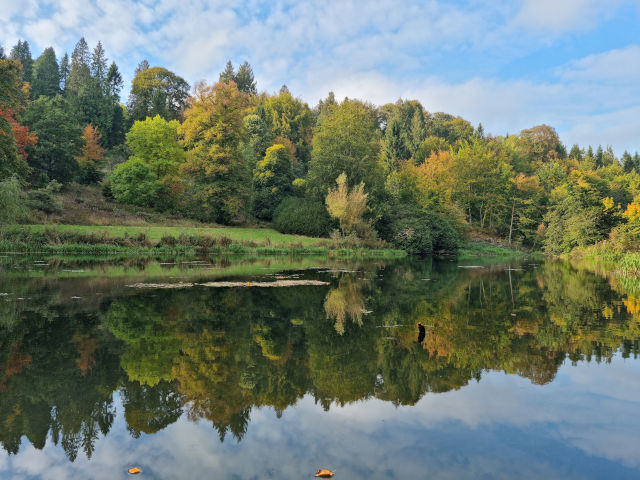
[[277, 283], [134, 471], [324, 473], [161, 285]]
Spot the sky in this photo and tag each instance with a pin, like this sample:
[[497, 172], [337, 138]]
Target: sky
[[571, 64]]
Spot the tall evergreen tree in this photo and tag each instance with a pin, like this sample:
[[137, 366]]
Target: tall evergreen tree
[[59, 138], [418, 131], [142, 66], [99, 66], [228, 74], [113, 83], [627, 162], [244, 79], [2, 55], [599, 157], [22, 52], [79, 71], [64, 72], [46, 75]]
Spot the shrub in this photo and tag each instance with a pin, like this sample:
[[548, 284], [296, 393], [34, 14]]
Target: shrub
[[12, 200], [302, 217], [45, 199], [134, 182], [422, 233]]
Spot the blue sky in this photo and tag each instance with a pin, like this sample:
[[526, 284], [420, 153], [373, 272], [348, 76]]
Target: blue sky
[[572, 64]]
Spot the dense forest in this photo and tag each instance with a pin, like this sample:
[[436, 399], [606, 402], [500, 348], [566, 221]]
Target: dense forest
[[224, 152]]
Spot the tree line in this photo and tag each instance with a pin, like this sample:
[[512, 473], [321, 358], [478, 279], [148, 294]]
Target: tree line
[[224, 152]]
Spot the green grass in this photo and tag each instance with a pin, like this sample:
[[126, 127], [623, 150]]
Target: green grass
[[167, 240], [155, 233], [477, 249]]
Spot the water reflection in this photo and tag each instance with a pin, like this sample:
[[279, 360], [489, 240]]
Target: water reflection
[[217, 354]]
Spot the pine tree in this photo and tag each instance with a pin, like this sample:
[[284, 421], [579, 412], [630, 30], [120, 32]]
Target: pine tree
[[22, 52], [244, 79], [64, 72], [576, 153], [99, 65], [46, 75], [228, 74], [418, 131], [627, 162], [79, 72], [599, 157], [2, 55], [142, 66], [114, 83]]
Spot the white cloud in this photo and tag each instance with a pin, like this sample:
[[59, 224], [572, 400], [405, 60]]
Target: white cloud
[[378, 51], [558, 16]]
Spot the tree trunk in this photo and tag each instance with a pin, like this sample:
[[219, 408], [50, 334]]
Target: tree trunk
[[513, 211]]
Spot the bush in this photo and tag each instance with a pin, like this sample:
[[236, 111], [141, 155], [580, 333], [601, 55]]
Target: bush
[[423, 233], [12, 200], [302, 217], [134, 182], [45, 199]]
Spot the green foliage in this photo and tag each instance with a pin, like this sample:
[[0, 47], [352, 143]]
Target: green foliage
[[405, 131], [423, 232], [243, 78], [217, 175], [157, 91], [429, 146], [21, 51], [12, 99], [346, 141], [450, 128], [348, 207], [289, 118], [302, 216], [150, 176], [135, 182], [579, 215], [46, 75], [155, 142], [271, 181], [59, 138], [12, 200], [45, 199], [258, 139]]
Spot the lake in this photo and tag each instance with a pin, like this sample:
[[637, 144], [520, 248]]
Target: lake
[[196, 369]]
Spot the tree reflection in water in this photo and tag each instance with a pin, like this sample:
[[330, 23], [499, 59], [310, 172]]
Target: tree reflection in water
[[214, 354]]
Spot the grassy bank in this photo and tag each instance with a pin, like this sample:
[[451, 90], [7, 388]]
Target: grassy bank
[[174, 240], [479, 249]]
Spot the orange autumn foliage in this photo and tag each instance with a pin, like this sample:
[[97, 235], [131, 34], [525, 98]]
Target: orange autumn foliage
[[21, 133], [324, 473], [92, 152]]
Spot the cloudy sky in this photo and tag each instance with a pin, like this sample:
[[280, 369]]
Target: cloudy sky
[[573, 64]]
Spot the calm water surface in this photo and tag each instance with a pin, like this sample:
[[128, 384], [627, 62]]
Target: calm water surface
[[527, 369]]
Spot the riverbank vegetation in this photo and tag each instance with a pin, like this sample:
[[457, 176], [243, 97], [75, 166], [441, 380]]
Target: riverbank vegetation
[[223, 153]]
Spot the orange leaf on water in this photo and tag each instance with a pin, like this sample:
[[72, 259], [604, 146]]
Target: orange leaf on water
[[134, 470], [324, 473]]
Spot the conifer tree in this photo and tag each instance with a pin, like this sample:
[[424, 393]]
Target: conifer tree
[[64, 72], [244, 79], [22, 52], [46, 75]]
